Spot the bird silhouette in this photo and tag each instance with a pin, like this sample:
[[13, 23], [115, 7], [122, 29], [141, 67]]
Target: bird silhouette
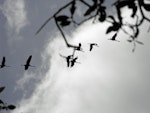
[[91, 46], [67, 59], [26, 66], [78, 48], [73, 61], [3, 63]]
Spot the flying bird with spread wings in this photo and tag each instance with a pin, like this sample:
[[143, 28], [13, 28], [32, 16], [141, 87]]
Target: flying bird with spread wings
[[27, 65], [91, 46], [68, 58], [3, 63]]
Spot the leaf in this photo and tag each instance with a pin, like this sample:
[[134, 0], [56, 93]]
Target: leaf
[[110, 29], [112, 18], [146, 7], [102, 1], [130, 3], [1, 89], [115, 27], [11, 107], [73, 8], [90, 10], [95, 1], [4, 107], [102, 8], [62, 18], [121, 4], [102, 17], [114, 37], [134, 12], [132, 6], [141, 2], [1, 102], [65, 23]]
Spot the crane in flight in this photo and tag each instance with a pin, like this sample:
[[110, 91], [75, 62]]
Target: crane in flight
[[91, 46], [3, 63], [26, 66], [67, 59], [78, 48]]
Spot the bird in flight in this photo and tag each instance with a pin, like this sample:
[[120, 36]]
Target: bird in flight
[[78, 48], [3, 63], [67, 59], [26, 66], [93, 44]]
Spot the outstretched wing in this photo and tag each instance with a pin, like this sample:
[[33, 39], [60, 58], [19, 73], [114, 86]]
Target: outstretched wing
[[3, 61], [75, 59], [28, 60], [91, 46]]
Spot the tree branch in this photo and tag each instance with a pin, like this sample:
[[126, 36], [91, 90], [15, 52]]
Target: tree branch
[[85, 3], [53, 17], [61, 32]]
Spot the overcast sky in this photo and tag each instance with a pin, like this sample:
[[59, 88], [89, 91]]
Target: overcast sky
[[110, 79]]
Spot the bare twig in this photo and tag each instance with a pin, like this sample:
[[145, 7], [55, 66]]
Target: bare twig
[[85, 3]]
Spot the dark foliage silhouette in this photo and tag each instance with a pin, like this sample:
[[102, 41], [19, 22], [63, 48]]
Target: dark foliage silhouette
[[3, 105], [114, 37], [98, 11], [3, 63], [27, 65]]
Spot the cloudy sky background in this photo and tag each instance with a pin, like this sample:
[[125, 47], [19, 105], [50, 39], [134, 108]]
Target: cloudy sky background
[[110, 79]]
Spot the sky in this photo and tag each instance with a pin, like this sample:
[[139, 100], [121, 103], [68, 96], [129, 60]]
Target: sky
[[110, 79]]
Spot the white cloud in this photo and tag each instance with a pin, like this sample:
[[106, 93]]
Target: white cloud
[[15, 13], [25, 80], [110, 79]]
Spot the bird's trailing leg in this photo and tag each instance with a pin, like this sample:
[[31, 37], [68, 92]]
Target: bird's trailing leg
[[32, 66]]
